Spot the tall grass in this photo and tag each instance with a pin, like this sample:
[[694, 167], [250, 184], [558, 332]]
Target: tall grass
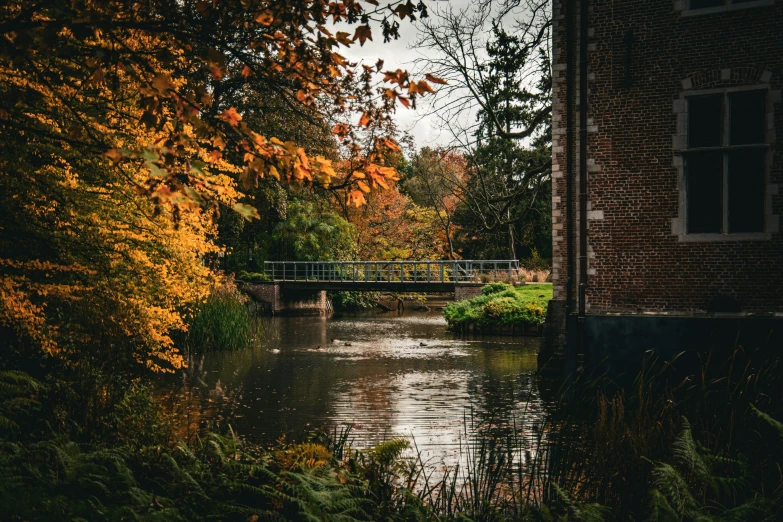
[[222, 322]]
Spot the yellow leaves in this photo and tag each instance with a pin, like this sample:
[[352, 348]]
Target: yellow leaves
[[363, 186], [115, 155], [162, 83], [231, 116], [356, 198]]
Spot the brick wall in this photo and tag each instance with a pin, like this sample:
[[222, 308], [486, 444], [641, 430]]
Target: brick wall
[[638, 259], [286, 301]]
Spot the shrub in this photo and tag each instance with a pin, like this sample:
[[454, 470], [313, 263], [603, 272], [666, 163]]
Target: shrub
[[354, 300], [494, 288], [501, 305], [253, 277]]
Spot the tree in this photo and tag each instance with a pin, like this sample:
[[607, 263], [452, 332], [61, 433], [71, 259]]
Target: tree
[[498, 109], [437, 180], [123, 136]]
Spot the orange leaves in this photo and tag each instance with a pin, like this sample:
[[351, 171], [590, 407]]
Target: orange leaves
[[246, 72], [435, 79], [365, 120], [265, 18], [356, 198], [399, 76], [340, 130], [389, 144], [231, 116], [344, 38], [363, 33]]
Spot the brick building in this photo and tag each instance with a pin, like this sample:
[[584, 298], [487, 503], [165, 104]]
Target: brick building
[[674, 174]]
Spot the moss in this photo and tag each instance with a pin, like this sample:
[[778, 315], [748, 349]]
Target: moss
[[501, 305]]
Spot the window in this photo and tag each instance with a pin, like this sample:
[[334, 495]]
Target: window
[[695, 7], [702, 4], [725, 162]]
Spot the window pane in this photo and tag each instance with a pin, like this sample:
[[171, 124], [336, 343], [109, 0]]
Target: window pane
[[705, 120], [698, 4], [747, 118], [746, 190], [704, 186]]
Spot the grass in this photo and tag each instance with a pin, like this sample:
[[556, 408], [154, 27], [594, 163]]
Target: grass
[[501, 305]]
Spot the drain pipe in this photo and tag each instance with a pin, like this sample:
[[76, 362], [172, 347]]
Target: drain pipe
[[583, 21], [570, 75]]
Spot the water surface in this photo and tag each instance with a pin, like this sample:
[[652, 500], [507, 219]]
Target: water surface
[[384, 374]]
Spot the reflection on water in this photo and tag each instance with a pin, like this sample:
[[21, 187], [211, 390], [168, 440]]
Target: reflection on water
[[384, 374]]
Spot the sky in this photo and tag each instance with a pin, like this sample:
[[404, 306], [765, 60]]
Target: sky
[[400, 54]]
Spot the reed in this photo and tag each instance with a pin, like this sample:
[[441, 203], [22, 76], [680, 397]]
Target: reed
[[222, 322]]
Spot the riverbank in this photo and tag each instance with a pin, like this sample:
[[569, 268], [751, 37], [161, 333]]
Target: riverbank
[[501, 309], [709, 450]]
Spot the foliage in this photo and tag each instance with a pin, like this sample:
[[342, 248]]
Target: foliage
[[354, 300], [501, 305], [127, 128], [493, 288], [17, 396], [392, 227], [252, 277], [221, 322], [310, 233]]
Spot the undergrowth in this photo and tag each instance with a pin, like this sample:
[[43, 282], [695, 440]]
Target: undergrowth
[[699, 447]]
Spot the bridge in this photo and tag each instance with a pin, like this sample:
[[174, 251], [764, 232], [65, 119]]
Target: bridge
[[300, 286]]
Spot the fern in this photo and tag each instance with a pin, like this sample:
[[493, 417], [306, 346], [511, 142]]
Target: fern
[[689, 488]]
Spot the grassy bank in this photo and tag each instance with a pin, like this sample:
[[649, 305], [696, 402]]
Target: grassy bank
[[501, 308]]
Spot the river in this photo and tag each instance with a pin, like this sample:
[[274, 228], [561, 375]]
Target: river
[[383, 374]]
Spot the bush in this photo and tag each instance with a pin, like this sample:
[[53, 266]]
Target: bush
[[221, 322], [494, 288], [354, 300], [501, 305], [253, 277]]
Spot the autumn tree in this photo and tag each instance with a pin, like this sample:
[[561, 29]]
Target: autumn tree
[[127, 127], [437, 180]]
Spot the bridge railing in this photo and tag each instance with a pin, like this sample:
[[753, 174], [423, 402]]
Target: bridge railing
[[462, 271]]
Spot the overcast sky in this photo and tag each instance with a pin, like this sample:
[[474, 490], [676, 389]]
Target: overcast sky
[[399, 54]]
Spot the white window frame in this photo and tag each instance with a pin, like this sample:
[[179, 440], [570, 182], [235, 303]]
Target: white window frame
[[771, 222]]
